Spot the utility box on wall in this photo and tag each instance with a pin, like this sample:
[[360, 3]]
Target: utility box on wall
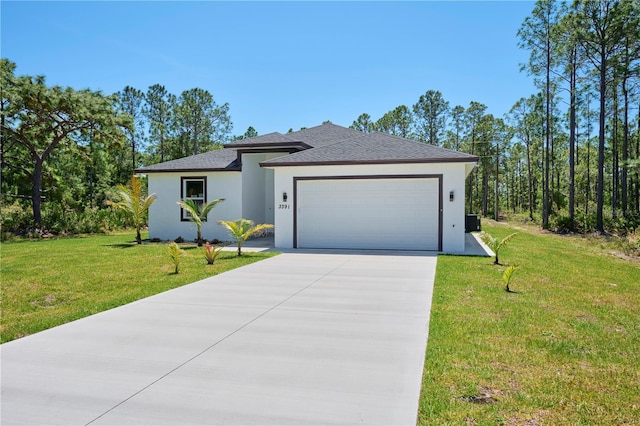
[[472, 223]]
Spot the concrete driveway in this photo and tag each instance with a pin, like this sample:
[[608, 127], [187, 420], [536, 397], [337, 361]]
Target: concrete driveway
[[302, 338]]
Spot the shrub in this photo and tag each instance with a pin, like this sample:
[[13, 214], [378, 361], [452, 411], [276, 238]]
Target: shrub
[[59, 218], [622, 225], [211, 252], [562, 223], [16, 217], [630, 245]]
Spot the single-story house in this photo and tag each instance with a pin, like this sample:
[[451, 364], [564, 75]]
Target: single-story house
[[322, 187]]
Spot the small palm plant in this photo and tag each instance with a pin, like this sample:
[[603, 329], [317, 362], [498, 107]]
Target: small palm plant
[[176, 254], [496, 244], [134, 203], [506, 276], [240, 230], [198, 213]]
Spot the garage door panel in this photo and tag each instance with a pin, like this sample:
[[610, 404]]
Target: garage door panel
[[368, 213]]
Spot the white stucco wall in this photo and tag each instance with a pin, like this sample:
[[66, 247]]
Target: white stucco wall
[[164, 213], [253, 197], [257, 188], [453, 179]]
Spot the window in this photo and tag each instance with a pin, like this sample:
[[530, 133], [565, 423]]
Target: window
[[193, 188]]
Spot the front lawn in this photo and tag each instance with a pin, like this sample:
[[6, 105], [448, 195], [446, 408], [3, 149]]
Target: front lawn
[[51, 282], [563, 350]]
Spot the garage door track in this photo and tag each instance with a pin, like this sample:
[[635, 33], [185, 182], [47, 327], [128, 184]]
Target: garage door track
[[301, 338]]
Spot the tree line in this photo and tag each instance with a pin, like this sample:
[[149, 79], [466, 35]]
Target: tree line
[[65, 150], [567, 156]]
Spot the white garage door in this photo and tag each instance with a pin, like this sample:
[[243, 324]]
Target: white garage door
[[372, 213]]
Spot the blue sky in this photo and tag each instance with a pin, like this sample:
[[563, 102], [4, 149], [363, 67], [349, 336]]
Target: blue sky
[[279, 65]]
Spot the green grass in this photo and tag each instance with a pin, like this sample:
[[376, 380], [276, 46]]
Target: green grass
[[51, 282], [563, 350]]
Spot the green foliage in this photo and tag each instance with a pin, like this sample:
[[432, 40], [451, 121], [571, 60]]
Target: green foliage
[[562, 223], [363, 123], [198, 213], [15, 217], [64, 149], [250, 133], [38, 121], [201, 124], [506, 276], [133, 201], [92, 220], [398, 122], [495, 244], [176, 254], [241, 229], [430, 116], [59, 219], [211, 252], [130, 101]]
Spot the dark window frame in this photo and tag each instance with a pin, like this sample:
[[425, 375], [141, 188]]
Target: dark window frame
[[184, 217]]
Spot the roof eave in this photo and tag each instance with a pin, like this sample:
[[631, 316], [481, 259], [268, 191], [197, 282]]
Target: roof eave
[[186, 170], [360, 162]]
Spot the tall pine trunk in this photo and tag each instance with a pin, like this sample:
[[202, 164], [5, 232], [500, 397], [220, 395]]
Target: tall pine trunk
[[545, 189], [530, 178], [601, 140], [625, 148], [572, 138], [588, 183], [615, 178]]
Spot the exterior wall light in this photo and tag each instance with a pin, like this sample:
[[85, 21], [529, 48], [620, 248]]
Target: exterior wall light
[[450, 195], [284, 197]]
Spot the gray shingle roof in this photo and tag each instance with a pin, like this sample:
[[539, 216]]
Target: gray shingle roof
[[324, 134], [269, 138], [313, 137], [219, 159], [324, 144], [372, 148]]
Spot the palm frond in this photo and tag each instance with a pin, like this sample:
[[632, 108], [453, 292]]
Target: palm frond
[[241, 229], [506, 239], [206, 208], [257, 229], [146, 203], [191, 207], [132, 200], [506, 276]]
